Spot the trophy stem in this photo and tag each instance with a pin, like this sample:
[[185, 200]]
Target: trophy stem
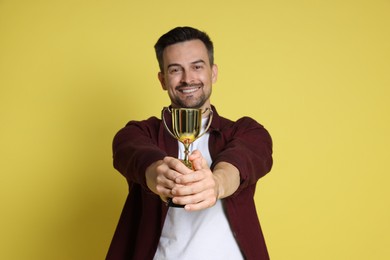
[[186, 153]]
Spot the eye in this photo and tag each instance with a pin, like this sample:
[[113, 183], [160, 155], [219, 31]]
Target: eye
[[174, 70], [198, 67]]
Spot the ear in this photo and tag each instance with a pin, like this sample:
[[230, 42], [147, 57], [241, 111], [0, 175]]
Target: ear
[[214, 73], [161, 78]]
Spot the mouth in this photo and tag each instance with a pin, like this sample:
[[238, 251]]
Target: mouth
[[189, 89]]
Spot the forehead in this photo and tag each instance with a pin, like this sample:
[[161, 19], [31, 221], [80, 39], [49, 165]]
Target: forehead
[[185, 52]]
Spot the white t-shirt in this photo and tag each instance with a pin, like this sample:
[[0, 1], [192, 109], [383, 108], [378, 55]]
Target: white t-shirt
[[199, 235]]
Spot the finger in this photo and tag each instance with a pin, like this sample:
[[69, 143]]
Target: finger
[[199, 206], [184, 190], [168, 170], [176, 165], [189, 178], [164, 192], [195, 186], [195, 155], [165, 180], [189, 199], [198, 202], [198, 161]]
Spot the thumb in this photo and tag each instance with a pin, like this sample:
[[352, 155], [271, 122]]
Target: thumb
[[198, 161]]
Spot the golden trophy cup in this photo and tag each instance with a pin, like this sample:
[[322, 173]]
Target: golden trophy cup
[[186, 128]]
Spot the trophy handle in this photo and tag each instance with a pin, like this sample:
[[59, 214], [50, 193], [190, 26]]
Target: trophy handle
[[209, 123], [165, 123]]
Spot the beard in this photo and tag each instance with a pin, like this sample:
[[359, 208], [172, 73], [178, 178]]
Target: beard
[[191, 101]]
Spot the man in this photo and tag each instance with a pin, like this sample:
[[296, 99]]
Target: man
[[219, 219]]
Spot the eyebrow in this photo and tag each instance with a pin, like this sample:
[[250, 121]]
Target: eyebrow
[[194, 62], [198, 61]]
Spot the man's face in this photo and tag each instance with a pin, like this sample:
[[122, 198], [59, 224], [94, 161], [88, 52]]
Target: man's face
[[188, 75]]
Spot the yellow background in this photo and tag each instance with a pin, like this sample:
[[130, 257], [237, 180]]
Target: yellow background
[[315, 73]]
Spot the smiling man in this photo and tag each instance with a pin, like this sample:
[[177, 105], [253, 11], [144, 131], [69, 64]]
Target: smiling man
[[217, 219]]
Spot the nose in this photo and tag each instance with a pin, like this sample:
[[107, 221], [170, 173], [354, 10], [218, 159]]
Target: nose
[[187, 77]]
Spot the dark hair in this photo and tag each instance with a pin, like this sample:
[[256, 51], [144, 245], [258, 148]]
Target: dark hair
[[182, 34]]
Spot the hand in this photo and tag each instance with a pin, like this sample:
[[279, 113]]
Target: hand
[[197, 189], [161, 176]]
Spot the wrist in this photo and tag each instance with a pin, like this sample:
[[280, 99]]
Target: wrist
[[219, 190], [227, 179]]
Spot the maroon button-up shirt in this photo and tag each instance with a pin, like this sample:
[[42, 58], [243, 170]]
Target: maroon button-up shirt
[[244, 143]]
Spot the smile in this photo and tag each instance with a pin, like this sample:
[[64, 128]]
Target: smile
[[189, 88], [189, 91]]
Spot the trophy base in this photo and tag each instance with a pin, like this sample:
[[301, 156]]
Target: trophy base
[[171, 204]]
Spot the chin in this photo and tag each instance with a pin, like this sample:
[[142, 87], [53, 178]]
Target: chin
[[190, 103]]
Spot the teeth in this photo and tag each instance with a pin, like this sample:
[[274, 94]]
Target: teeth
[[186, 91]]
